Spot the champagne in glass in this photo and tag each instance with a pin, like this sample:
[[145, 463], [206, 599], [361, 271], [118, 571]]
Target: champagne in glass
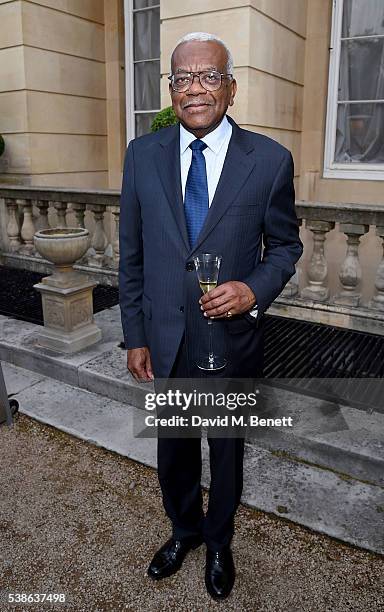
[[207, 267], [206, 286]]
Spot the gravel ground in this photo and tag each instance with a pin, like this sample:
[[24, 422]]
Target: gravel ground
[[79, 520]]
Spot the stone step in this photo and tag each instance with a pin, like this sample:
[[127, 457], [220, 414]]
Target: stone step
[[334, 436], [100, 367], [326, 433], [317, 498]]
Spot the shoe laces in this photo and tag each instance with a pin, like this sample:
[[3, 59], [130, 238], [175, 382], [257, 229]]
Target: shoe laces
[[175, 547], [217, 558]]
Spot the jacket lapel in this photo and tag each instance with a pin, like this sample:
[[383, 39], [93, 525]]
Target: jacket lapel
[[237, 167], [168, 166]]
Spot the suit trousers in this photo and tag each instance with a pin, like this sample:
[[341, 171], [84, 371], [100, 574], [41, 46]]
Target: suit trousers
[[179, 472]]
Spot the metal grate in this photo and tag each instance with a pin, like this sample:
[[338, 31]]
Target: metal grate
[[300, 349], [337, 365]]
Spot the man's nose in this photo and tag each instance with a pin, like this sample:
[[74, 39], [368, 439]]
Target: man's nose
[[196, 88]]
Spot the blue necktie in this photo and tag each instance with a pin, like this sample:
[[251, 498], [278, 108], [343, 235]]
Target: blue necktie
[[196, 202]]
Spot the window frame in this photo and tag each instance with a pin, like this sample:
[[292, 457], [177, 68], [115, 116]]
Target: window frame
[[130, 111], [332, 169]]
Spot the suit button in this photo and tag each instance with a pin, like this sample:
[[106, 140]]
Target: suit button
[[190, 266], [181, 308]]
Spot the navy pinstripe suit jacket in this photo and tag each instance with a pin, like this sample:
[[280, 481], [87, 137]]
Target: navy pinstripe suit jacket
[[251, 222]]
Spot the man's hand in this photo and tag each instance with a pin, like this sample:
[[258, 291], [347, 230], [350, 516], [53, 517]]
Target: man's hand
[[233, 295], [139, 364]]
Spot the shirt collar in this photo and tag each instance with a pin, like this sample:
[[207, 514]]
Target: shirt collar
[[214, 140]]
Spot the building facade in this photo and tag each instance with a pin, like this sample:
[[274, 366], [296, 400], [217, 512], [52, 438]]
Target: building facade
[[79, 79]]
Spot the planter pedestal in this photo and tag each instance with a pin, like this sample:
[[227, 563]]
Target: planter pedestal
[[67, 294], [68, 312]]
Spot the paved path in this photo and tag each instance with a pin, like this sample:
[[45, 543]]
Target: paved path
[[274, 482], [81, 520]]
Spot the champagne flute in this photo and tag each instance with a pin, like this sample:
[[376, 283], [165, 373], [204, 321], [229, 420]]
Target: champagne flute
[[207, 267]]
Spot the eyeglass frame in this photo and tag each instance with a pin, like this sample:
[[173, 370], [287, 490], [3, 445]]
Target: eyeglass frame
[[193, 74]]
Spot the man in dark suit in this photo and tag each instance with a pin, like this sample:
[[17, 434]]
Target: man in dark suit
[[204, 185]]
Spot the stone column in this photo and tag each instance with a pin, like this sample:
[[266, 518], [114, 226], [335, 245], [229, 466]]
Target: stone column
[[27, 228], [292, 287], [13, 229], [99, 238], [350, 271], [61, 208], [378, 300], [79, 210], [115, 210], [317, 289], [43, 207]]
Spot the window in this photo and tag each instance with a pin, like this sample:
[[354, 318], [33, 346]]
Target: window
[[354, 143], [142, 60]]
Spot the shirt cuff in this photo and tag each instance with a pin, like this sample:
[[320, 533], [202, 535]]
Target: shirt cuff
[[253, 312]]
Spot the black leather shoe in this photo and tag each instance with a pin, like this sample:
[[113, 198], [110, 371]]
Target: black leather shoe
[[170, 557], [219, 573]]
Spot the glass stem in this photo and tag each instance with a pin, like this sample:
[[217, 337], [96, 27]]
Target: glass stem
[[211, 357]]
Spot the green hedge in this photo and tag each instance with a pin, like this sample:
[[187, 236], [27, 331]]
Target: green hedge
[[164, 118]]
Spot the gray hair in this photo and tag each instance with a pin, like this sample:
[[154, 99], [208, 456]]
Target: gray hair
[[204, 36]]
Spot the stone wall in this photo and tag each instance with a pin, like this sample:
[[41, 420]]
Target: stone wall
[[267, 40], [62, 86], [53, 92]]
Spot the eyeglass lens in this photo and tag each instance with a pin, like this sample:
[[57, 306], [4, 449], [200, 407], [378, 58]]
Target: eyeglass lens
[[209, 80]]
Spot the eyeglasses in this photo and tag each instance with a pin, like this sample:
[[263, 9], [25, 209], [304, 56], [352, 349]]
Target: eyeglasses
[[211, 80]]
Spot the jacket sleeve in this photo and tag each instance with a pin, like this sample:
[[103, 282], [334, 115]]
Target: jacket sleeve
[[131, 258], [282, 244]]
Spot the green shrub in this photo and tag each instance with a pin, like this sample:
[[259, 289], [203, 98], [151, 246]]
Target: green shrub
[[164, 118], [2, 145]]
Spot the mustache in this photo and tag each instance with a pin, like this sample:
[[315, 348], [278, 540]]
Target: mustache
[[196, 103]]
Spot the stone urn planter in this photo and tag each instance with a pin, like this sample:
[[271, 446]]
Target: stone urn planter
[[66, 294]]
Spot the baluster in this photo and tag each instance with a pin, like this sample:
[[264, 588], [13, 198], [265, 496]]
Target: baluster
[[99, 239], [61, 209], [79, 210], [115, 242], [350, 271], [27, 228], [378, 300], [43, 207], [317, 268], [13, 229], [292, 287]]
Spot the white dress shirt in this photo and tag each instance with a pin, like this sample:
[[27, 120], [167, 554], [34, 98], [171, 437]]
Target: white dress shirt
[[217, 143]]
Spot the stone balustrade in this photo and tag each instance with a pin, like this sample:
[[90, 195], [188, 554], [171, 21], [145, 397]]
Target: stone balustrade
[[27, 210], [309, 294]]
